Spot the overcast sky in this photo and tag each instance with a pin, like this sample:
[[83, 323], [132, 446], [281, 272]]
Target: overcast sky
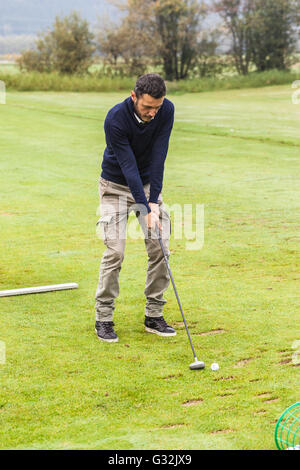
[[22, 20], [33, 16]]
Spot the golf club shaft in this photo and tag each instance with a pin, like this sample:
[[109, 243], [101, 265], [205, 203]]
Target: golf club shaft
[[174, 287]]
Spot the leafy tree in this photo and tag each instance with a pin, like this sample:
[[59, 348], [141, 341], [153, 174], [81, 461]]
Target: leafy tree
[[177, 23], [67, 48], [208, 62], [263, 32], [72, 44], [157, 32], [273, 34], [236, 16], [132, 42], [110, 44], [39, 60]]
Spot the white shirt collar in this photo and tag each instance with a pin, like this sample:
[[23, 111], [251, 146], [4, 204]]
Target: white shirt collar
[[140, 120]]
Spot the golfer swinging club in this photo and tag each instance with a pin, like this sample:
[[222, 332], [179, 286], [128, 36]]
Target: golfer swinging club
[[137, 135]]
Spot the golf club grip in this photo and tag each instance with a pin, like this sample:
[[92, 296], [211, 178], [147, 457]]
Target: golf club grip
[[174, 287]]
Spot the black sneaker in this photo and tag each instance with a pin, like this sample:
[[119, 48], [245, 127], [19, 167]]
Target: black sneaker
[[159, 326], [105, 331]]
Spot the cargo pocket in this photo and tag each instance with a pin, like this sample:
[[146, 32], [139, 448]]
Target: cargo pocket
[[166, 223], [102, 186], [102, 226]]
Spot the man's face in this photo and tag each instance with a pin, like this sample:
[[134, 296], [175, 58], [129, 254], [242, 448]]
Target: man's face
[[146, 106]]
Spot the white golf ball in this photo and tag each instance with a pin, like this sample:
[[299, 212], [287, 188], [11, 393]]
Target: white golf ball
[[214, 366]]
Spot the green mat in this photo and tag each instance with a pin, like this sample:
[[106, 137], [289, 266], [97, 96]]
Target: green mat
[[287, 431]]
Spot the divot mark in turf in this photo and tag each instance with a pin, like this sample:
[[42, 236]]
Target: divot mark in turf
[[222, 431], [226, 394], [260, 412], [224, 378], [211, 332], [285, 361], [285, 357], [193, 402], [264, 394], [271, 400], [180, 324], [172, 426], [243, 362], [172, 376]]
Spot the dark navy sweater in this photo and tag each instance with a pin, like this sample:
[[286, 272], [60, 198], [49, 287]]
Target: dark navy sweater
[[135, 152]]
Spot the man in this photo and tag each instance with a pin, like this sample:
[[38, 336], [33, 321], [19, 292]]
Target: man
[[137, 135]]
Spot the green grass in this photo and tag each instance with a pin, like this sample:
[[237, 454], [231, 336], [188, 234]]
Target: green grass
[[35, 81], [9, 69], [235, 152]]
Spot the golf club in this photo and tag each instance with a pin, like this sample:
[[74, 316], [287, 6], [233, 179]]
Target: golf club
[[197, 364]]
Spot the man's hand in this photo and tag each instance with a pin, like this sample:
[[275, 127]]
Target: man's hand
[[152, 218], [154, 208]]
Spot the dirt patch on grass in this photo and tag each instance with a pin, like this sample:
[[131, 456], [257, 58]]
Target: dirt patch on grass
[[285, 357], [271, 400], [222, 431], [260, 412], [267, 397], [227, 394], [180, 324], [6, 214], [224, 378], [193, 402], [285, 361], [172, 376], [172, 426], [211, 332], [243, 362]]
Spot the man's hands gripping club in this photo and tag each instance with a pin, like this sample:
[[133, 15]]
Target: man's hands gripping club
[[152, 218]]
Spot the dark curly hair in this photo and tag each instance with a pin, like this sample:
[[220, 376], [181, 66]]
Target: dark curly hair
[[151, 84]]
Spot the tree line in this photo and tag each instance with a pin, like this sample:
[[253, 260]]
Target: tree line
[[171, 35]]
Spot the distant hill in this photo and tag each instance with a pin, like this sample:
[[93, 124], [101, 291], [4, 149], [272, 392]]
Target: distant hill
[[22, 20], [28, 17]]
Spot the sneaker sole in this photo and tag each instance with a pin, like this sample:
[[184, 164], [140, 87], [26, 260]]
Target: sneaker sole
[[159, 333], [106, 340]]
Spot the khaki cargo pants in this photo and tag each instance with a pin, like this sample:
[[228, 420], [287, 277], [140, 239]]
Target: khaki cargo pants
[[116, 202]]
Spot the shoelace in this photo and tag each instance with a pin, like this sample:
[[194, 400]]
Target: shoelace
[[107, 325], [163, 322]]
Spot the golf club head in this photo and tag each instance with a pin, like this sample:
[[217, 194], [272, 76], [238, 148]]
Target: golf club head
[[197, 365]]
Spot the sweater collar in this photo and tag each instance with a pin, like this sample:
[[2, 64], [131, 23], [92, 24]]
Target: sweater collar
[[139, 120], [136, 117]]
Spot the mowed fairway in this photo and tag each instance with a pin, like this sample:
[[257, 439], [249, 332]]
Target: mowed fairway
[[236, 152]]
